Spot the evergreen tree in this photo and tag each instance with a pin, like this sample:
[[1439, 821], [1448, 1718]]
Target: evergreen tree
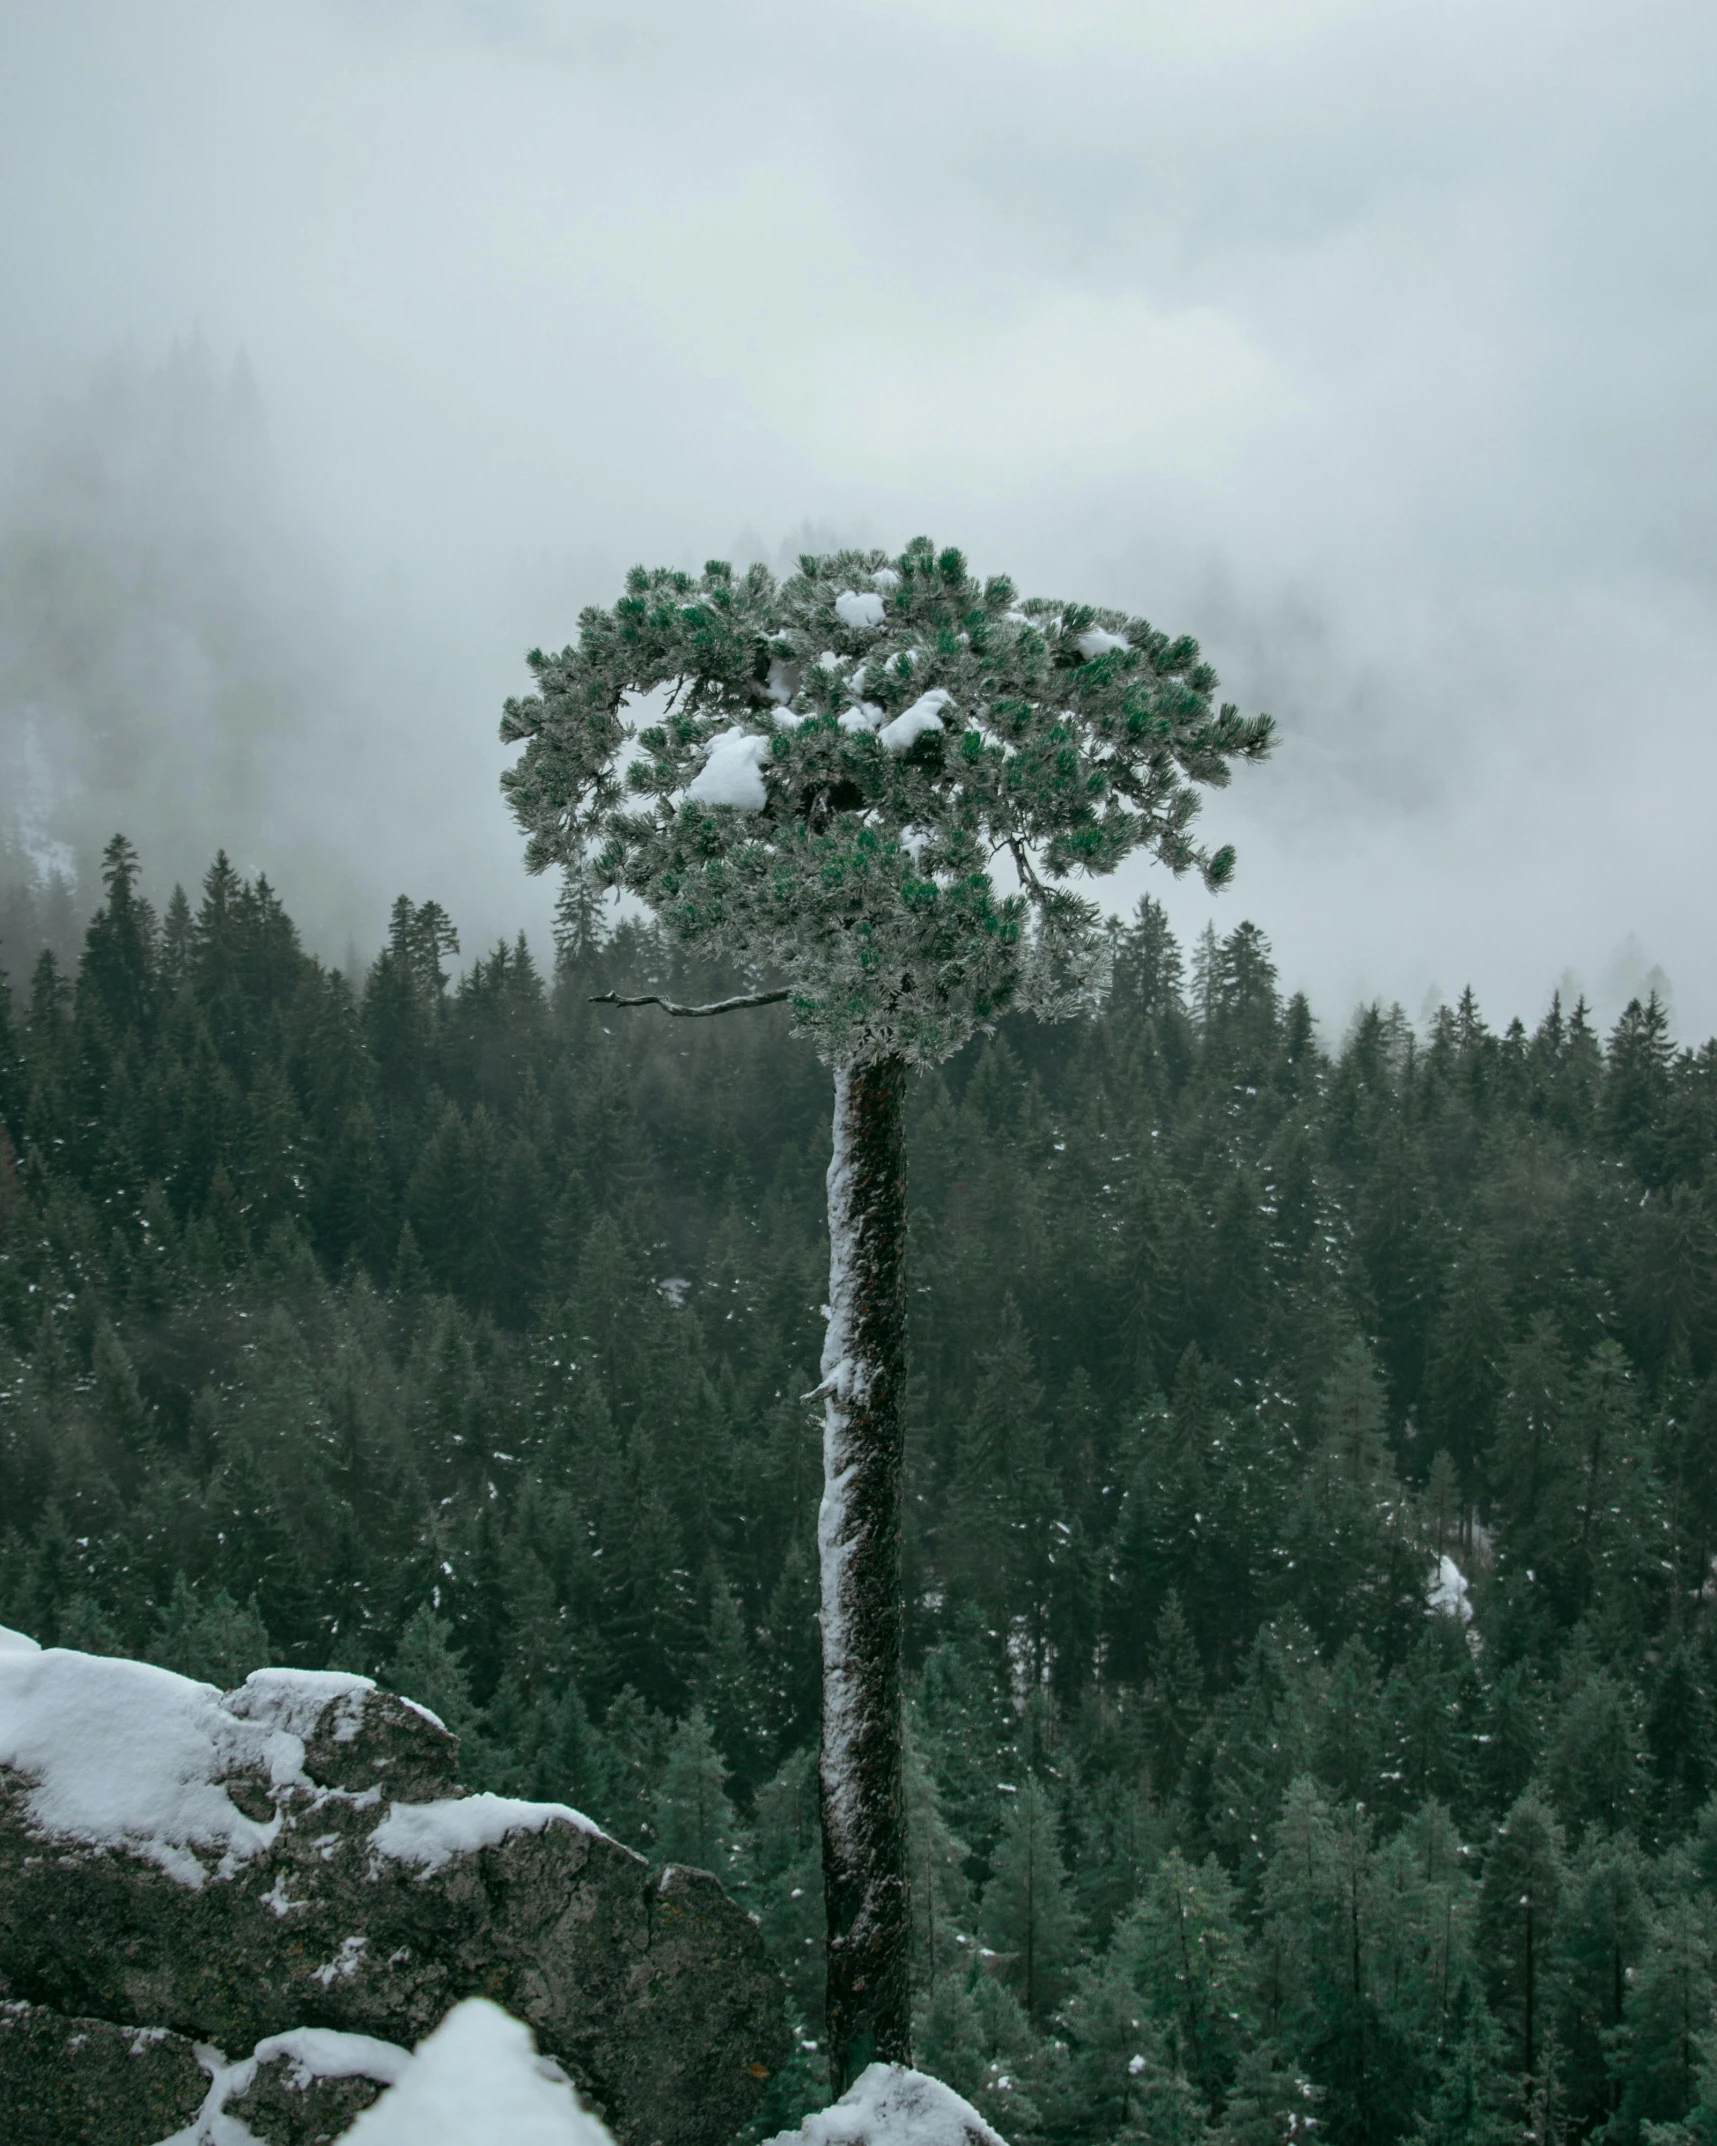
[[1176, 1702], [788, 765], [116, 976], [1668, 2012], [427, 1667], [1471, 2102], [1604, 1932], [1028, 1911], [693, 1821], [1185, 1954], [1519, 1917], [1468, 1345], [218, 1642]]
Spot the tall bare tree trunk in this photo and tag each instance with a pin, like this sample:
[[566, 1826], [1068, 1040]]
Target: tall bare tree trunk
[[858, 1540]]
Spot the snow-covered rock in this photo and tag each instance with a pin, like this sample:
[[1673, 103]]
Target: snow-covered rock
[[478, 2081], [297, 1854], [890, 2105], [301, 2088]]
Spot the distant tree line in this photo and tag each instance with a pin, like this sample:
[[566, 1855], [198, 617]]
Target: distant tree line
[[458, 1332]]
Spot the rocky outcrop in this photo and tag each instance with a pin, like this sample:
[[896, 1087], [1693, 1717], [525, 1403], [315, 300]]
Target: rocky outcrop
[[306, 2088], [297, 1854], [64, 2079]]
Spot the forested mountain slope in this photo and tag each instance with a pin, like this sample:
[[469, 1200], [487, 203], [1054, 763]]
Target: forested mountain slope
[[460, 1334]]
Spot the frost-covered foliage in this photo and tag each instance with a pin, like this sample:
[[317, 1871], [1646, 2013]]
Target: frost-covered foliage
[[844, 760]]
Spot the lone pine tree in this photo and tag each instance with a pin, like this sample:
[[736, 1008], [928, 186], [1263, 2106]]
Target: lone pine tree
[[819, 778]]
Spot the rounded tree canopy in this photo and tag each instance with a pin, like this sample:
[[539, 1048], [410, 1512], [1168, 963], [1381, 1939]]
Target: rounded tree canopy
[[835, 765]]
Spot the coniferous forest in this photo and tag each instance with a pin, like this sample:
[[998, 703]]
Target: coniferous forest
[[1313, 1706]]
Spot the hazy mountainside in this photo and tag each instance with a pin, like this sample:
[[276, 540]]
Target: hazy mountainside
[[460, 1334], [186, 647]]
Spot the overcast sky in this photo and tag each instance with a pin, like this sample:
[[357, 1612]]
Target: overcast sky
[[1371, 343]]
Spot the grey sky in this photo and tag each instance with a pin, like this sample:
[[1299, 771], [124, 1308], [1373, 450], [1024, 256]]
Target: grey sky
[[1371, 343]]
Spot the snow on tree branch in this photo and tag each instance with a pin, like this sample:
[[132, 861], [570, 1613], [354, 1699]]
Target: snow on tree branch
[[841, 756]]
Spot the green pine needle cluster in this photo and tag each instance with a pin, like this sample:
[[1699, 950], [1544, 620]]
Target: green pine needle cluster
[[829, 770]]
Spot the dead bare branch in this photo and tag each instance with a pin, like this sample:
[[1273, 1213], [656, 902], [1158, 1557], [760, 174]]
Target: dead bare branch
[[693, 1013]]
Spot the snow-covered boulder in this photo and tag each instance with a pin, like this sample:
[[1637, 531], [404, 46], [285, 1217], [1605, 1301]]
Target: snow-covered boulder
[[302, 2088], [297, 1855], [890, 2105], [478, 2081]]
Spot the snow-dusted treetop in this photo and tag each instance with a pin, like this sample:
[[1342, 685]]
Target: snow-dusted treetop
[[844, 759]]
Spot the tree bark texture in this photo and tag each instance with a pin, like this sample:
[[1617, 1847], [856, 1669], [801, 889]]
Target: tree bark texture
[[858, 1539]]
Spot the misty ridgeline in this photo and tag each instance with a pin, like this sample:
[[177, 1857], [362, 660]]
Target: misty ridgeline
[[186, 655], [458, 1333]]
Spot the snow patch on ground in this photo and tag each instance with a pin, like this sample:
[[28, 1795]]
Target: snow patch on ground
[[1447, 1593], [432, 1834], [859, 609], [888, 2105], [17, 1642], [733, 772]]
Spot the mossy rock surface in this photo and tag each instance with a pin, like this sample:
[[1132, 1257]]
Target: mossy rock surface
[[372, 1896], [64, 2082]]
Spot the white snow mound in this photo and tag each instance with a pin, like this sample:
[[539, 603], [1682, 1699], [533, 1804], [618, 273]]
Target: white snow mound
[[888, 2105], [733, 772], [911, 723], [17, 1642], [326, 2053], [1099, 643], [293, 1700], [478, 2081], [858, 609], [119, 1754], [432, 1834]]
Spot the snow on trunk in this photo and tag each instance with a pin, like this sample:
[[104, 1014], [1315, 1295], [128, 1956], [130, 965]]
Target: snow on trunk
[[858, 1542]]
